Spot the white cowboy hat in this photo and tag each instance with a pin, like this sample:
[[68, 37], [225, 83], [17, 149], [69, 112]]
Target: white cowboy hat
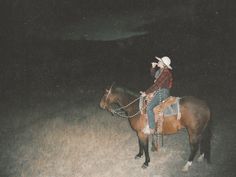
[[165, 60]]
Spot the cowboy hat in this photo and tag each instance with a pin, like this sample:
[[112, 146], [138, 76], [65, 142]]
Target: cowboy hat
[[165, 60]]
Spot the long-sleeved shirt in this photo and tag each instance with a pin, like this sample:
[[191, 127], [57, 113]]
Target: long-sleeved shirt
[[163, 80]]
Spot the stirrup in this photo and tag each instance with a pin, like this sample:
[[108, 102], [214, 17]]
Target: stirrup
[[148, 131]]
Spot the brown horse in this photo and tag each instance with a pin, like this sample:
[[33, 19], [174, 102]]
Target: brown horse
[[195, 117]]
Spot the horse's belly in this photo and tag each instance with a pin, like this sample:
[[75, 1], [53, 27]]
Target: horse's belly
[[171, 125]]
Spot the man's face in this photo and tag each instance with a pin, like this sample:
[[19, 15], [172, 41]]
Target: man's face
[[160, 64]]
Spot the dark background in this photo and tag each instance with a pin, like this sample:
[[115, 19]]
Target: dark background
[[207, 39]]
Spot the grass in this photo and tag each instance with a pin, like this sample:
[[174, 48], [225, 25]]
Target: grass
[[74, 139]]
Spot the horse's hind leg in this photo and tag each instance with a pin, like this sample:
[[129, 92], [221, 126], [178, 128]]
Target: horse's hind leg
[[194, 145], [205, 145], [202, 151]]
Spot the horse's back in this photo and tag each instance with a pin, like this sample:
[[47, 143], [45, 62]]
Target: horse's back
[[195, 105], [194, 111], [193, 101]]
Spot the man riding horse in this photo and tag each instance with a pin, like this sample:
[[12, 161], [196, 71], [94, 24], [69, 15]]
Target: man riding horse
[[159, 91], [193, 114]]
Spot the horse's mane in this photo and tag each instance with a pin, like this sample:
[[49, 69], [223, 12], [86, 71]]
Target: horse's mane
[[128, 91]]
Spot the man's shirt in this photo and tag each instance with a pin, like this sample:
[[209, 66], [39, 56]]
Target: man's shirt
[[164, 80]]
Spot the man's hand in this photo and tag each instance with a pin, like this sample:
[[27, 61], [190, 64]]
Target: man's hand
[[154, 64]]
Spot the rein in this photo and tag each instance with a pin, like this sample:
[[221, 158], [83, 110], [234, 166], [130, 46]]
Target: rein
[[116, 111]]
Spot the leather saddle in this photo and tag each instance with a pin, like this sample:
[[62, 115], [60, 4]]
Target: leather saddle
[[167, 108]]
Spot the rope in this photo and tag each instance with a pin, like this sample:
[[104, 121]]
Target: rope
[[123, 116], [127, 104], [115, 111]]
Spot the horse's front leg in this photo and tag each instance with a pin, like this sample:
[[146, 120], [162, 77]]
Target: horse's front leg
[[143, 144], [140, 154], [147, 157]]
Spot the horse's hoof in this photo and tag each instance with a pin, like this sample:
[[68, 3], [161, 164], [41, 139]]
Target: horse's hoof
[[184, 169], [201, 158], [186, 166], [144, 166], [138, 157]]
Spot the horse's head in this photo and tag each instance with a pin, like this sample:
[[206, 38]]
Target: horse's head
[[108, 98]]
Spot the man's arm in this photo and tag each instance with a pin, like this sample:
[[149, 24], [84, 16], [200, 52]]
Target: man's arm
[[159, 81]]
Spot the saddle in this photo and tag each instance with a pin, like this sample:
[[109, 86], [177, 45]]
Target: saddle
[[168, 107]]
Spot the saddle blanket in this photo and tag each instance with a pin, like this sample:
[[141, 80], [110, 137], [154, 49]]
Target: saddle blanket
[[172, 109], [168, 107]]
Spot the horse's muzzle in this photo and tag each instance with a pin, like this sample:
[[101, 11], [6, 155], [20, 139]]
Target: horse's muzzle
[[102, 105]]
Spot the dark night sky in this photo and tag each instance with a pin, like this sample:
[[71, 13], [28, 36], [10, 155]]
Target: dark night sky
[[20, 17], [33, 20]]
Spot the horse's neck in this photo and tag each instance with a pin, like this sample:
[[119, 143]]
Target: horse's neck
[[124, 101], [127, 92]]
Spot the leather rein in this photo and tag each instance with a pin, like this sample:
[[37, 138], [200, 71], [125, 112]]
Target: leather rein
[[119, 112]]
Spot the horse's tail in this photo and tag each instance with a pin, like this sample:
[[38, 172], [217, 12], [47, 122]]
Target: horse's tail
[[205, 144]]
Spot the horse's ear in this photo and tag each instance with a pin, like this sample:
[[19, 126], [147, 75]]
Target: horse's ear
[[112, 85], [110, 89]]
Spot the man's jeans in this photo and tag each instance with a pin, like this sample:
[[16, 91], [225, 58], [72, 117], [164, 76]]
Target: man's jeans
[[159, 96]]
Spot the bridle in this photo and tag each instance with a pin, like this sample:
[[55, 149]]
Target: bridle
[[118, 110]]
